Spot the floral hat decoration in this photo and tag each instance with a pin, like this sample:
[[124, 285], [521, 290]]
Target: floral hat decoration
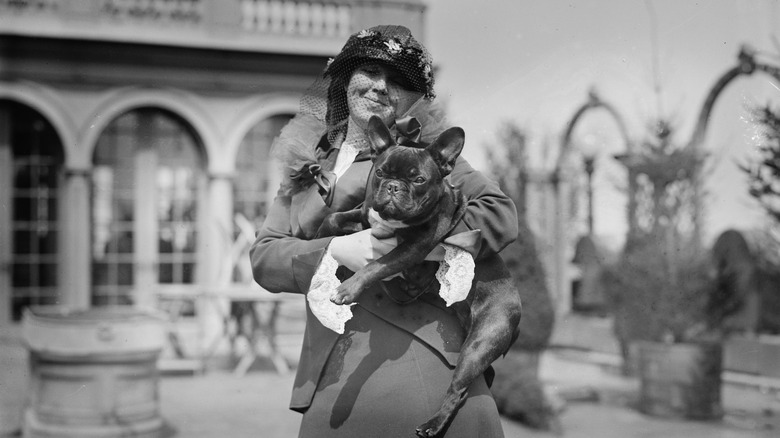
[[393, 45]]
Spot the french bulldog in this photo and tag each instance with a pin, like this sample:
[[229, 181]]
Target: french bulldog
[[407, 187]]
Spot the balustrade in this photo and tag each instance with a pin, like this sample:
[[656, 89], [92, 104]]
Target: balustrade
[[323, 18], [29, 6], [162, 11], [330, 19]]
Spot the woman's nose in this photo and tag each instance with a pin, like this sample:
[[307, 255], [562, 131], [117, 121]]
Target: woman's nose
[[380, 83]]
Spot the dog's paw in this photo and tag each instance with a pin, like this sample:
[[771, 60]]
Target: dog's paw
[[341, 299], [347, 293], [430, 429]]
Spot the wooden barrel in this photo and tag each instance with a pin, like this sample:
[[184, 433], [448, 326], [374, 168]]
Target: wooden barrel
[[93, 372], [680, 380]]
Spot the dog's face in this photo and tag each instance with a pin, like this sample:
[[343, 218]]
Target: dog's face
[[407, 182]]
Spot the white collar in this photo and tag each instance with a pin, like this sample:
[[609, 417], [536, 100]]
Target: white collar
[[376, 221]]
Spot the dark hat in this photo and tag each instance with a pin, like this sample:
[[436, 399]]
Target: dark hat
[[390, 44]]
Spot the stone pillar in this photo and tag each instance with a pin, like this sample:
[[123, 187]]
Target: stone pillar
[[14, 376], [74, 266], [216, 249], [561, 242], [145, 208], [6, 195]]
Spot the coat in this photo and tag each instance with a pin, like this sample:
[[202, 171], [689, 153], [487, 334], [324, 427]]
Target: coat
[[284, 258]]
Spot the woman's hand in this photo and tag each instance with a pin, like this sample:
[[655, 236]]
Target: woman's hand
[[356, 250]]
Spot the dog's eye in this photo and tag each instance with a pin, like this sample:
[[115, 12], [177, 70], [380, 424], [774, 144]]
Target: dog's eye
[[379, 173], [419, 180]]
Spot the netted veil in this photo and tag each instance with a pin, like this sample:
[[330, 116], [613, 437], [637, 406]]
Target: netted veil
[[324, 111]]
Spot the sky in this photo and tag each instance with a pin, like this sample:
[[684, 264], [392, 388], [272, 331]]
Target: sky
[[533, 63]]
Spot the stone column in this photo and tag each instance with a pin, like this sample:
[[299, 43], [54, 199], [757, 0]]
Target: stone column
[[74, 237], [6, 195], [561, 242], [145, 210], [216, 263]]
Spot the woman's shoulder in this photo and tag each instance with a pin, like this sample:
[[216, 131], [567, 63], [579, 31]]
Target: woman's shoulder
[[301, 148], [298, 140]]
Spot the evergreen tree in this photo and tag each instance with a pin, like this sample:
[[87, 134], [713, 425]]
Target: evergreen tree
[[764, 175], [517, 389]]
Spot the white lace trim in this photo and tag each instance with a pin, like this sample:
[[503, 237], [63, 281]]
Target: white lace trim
[[455, 274], [323, 286]]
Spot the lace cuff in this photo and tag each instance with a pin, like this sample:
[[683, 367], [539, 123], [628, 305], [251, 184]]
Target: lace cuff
[[323, 285], [455, 274]]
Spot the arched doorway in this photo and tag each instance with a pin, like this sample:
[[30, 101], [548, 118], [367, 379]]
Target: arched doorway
[[148, 187], [31, 164], [574, 176], [255, 186], [256, 176]]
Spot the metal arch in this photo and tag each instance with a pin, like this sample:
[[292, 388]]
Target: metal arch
[[560, 262], [594, 102], [746, 65]]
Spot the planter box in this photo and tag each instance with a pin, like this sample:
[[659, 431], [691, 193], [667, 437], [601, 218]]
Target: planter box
[[93, 373], [756, 356], [680, 380]]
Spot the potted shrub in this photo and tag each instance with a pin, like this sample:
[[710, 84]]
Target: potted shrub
[[660, 287]]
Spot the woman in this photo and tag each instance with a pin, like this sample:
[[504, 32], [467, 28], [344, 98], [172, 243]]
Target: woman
[[388, 370]]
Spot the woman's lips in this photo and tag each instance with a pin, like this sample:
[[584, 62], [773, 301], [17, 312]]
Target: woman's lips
[[376, 101]]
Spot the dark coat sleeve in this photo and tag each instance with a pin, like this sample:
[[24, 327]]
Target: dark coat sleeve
[[281, 262], [488, 209]]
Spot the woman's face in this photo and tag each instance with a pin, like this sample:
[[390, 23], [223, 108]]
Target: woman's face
[[377, 89]]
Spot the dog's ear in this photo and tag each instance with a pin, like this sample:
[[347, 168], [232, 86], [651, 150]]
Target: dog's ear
[[379, 134], [446, 148]]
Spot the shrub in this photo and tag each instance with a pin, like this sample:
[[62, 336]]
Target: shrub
[[653, 304], [517, 389]]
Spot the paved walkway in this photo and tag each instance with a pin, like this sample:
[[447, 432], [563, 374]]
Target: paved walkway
[[218, 404]]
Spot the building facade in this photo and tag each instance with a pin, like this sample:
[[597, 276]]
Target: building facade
[[135, 136]]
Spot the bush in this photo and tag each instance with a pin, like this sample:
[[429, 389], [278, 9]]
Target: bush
[[517, 389], [521, 257], [650, 303], [538, 320]]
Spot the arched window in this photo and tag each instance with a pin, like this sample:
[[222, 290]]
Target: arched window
[[34, 175], [257, 180], [257, 175], [147, 179]]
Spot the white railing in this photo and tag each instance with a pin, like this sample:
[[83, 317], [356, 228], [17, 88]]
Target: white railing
[[313, 18], [160, 11], [285, 26], [157, 11], [305, 18], [29, 6]]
